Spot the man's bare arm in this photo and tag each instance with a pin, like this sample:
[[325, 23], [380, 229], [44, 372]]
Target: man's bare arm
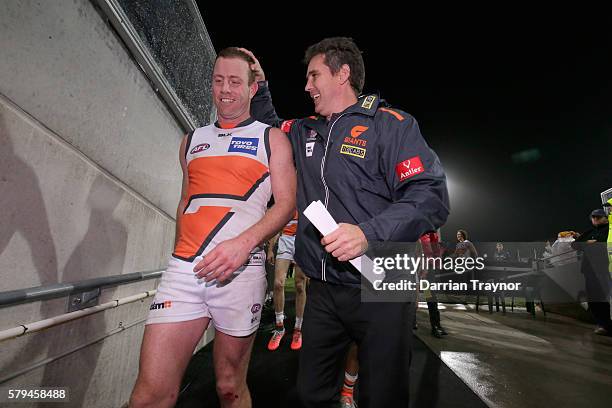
[[230, 255]]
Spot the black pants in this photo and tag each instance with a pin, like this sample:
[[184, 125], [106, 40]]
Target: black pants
[[597, 279], [434, 314], [601, 314], [334, 317]]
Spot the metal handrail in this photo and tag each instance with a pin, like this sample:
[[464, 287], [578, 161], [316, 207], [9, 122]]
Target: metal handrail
[[40, 325], [58, 290], [548, 258]]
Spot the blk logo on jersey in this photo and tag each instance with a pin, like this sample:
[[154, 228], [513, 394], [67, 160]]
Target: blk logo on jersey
[[200, 148], [409, 168], [246, 145]]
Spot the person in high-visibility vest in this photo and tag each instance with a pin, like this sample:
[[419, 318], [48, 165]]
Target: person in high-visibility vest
[[609, 210]]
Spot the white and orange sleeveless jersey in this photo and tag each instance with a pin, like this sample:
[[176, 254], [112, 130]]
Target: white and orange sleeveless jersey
[[229, 185], [291, 228]]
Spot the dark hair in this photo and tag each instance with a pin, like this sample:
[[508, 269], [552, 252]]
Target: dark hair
[[339, 51], [464, 233], [234, 52]]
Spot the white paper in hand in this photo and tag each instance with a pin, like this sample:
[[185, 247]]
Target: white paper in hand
[[325, 223]]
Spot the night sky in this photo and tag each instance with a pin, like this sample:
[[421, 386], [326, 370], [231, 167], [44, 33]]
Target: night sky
[[482, 89]]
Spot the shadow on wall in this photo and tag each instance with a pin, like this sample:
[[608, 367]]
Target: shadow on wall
[[101, 252], [22, 210]]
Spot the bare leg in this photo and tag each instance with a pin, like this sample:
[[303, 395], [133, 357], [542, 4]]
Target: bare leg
[[351, 370], [231, 357], [352, 362], [300, 292], [165, 352], [281, 267]]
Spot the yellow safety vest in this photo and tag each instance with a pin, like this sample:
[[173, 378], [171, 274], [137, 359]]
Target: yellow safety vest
[[610, 239]]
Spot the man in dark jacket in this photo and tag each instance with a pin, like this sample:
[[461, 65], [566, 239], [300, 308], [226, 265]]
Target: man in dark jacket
[[371, 168], [593, 244]]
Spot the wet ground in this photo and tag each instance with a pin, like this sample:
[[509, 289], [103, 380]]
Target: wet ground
[[518, 361], [272, 375]]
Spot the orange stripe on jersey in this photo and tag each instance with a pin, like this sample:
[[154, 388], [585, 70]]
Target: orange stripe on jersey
[[233, 177], [224, 175], [394, 113], [197, 229], [291, 228]]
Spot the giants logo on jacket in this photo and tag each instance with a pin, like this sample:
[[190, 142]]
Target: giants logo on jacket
[[409, 168], [354, 138]]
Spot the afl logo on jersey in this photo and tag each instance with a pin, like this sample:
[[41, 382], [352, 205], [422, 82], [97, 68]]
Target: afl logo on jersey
[[200, 148], [255, 308], [246, 145]]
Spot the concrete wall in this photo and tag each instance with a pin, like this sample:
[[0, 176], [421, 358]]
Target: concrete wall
[[89, 182]]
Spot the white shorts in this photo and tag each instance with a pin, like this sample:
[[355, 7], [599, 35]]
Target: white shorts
[[234, 307], [286, 247]]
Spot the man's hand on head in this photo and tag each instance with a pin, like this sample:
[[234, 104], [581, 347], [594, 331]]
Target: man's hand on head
[[226, 258], [346, 243], [256, 67]]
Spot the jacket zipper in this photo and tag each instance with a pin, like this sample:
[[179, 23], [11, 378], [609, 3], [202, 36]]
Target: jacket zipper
[[329, 134]]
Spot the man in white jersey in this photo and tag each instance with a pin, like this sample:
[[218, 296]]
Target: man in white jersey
[[216, 273], [284, 258]]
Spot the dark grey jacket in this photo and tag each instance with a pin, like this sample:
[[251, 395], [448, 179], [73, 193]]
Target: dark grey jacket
[[369, 166]]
